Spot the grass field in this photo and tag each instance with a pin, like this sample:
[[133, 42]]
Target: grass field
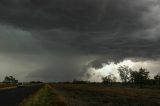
[[7, 85], [92, 95], [97, 95]]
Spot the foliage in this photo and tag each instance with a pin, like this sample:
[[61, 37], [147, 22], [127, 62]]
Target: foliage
[[139, 77], [157, 79], [10, 79], [124, 72], [109, 79], [42, 98]]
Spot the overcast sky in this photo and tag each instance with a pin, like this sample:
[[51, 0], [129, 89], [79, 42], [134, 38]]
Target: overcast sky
[[59, 40]]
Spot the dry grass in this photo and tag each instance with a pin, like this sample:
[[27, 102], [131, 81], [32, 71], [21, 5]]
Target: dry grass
[[110, 95], [7, 85], [92, 95], [132, 92]]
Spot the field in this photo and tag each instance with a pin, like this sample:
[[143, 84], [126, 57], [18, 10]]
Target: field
[[78, 95], [7, 85], [92, 95], [99, 95]]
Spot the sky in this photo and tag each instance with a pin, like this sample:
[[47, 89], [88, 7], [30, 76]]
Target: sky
[[63, 40]]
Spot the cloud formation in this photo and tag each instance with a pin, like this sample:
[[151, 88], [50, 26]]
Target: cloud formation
[[106, 30]]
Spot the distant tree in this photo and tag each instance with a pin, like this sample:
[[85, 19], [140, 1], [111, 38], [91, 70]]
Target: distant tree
[[10, 79], [114, 79], [124, 72], [157, 79], [80, 82], [139, 77], [6, 79], [109, 79]]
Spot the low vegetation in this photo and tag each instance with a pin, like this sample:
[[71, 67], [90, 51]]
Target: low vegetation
[[46, 96], [98, 95], [92, 94], [7, 85], [41, 98]]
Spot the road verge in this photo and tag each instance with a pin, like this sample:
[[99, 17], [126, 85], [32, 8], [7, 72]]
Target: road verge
[[46, 96]]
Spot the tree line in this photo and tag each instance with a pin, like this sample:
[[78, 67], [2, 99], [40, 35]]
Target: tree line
[[128, 76]]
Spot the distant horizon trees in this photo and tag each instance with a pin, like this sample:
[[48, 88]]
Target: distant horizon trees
[[128, 76], [10, 79], [140, 77], [109, 79], [157, 79]]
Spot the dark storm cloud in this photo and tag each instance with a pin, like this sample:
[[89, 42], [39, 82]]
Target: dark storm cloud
[[60, 72], [74, 15], [61, 69], [85, 26], [111, 30]]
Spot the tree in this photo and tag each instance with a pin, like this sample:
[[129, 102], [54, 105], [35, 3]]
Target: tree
[[6, 79], [139, 77], [109, 79], [157, 79], [124, 72], [10, 79]]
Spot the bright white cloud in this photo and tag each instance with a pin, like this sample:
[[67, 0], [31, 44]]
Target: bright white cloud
[[97, 74]]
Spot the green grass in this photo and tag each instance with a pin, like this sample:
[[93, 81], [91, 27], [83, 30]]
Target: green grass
[[43, 97]]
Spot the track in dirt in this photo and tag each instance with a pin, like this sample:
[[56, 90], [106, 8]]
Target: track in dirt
[[12, 97]]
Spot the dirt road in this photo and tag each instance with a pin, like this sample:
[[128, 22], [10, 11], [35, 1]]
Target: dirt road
[[12, 97]]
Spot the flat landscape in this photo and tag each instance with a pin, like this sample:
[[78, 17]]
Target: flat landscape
[[79, 52], [79, 95], [99, 95]]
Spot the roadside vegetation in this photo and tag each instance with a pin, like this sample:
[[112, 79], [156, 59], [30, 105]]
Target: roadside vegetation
[[43, 97], [46, 96]]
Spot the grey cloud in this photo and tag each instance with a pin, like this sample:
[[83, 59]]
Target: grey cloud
[[97, 27], [54, 74], [61, 69], [16, 40], [109, 30], [83, 15]]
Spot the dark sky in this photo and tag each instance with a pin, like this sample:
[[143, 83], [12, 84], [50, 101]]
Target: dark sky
[[58, 39]]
